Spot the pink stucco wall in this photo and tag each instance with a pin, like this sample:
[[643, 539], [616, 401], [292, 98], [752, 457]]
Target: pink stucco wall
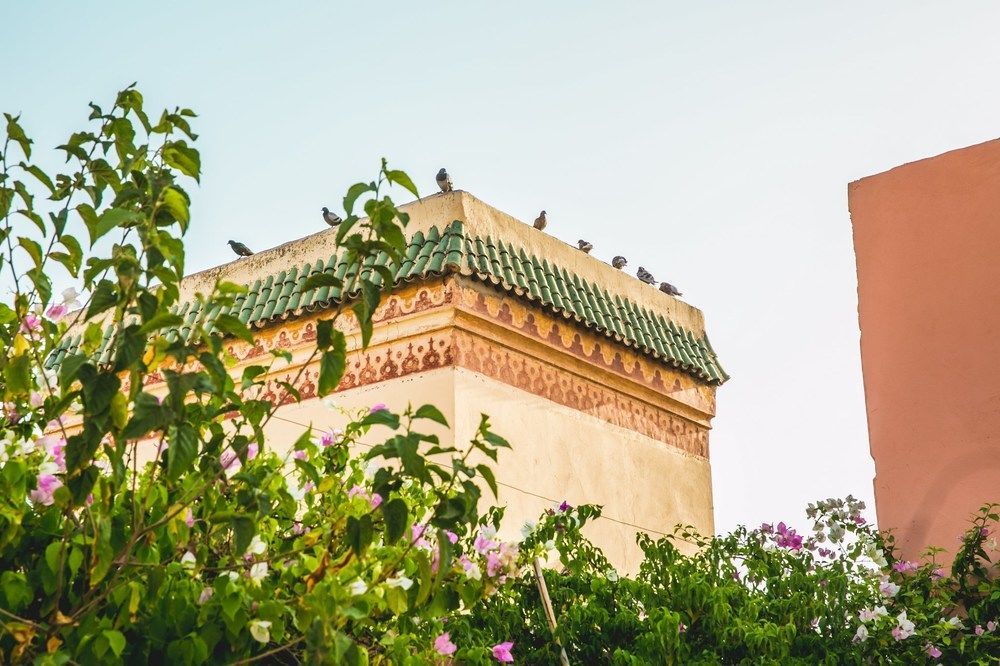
[[927, 240]]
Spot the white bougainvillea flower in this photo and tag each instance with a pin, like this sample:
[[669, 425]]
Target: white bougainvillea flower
[[400, 581], [358, 587], [189, 560], [258, 572], [260, 630], [861, 635], [528, 527], [205, 595], [256, 547]]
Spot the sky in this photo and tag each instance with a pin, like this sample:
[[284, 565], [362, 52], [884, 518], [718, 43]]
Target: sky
[[710, 142]]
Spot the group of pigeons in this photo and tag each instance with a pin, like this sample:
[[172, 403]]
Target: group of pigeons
[[445, 184]]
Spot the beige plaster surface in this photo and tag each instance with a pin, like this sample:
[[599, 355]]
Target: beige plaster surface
[[557, 454]]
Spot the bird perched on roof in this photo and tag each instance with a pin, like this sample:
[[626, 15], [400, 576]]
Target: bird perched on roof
[[645, 276], [240, 249], [444, 180], [330, 217], [540, 221], [585, 246], [619, 262], [670, 289]]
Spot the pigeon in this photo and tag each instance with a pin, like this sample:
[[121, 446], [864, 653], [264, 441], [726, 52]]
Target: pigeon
[[540, 221], [240, 249], [670, 289], [585, 246], [619, 262], [444, 180], [645, 276], [331, 218]]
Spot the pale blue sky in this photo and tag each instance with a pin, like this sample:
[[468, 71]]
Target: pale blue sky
[[710, 142]]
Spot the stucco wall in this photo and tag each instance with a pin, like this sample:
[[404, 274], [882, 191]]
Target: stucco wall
[[558, 454], [926, 237]]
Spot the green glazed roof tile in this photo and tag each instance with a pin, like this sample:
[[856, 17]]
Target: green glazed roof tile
[[490, 260]]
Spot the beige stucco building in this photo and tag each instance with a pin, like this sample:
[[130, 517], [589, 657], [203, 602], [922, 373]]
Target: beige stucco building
[[604, 386]]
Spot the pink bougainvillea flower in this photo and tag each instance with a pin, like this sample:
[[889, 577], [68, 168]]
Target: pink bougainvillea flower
[[991, 626], [904, 566], [205, 595], [682, 628], [443, 644], [36, 400], [189, 517], [979, 630], [932, 651], [484, 540], [46, 487], [30, 323], [888, 588], [565, 506], [501, 652], [300, 455], [452, 537], [230, 462], [326, 440], [56, 312], [356, 491], [786, 537], [766, 528], [375, 501], [252, 449], [493, 563], [938, 573], [377, 407], [417, 536]]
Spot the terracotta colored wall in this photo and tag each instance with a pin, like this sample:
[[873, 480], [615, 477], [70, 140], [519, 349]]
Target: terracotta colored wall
[[927, 239]]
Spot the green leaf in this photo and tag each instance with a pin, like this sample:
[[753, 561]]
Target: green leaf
[[364, 322], [396, 516], [231, 325], [243, 531], [402, 179], [317, 280], [42, 177], [18, 375], [176, 203], [53, 556], [116, 640], [16, 589], [33, 249], [333, 364], [324, 333], [161, 320], [355, 191], [490, 479], [431, 412], [182, 451], [110, 219], [68, 369], [359, 533], [103, 297], [183, 157], [17, 134]]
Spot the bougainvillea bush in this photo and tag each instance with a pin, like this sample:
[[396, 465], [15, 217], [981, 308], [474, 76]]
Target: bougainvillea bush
[[767, 595], [152, 522]]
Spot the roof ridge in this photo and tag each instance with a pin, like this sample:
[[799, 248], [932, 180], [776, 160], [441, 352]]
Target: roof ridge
[[450, 249]]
